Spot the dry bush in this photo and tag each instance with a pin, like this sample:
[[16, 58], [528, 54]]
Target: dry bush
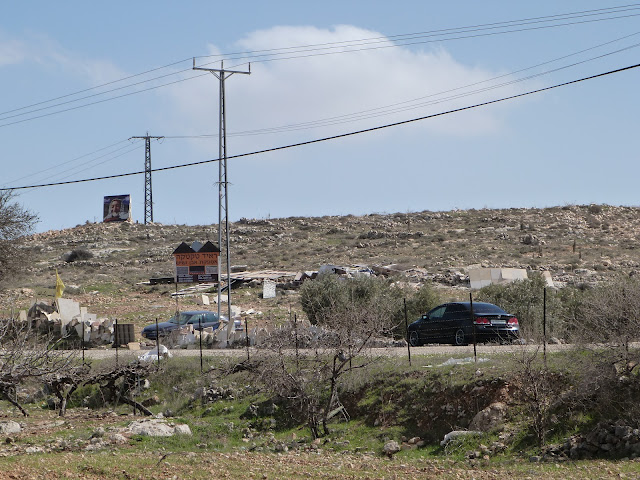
[[25, 356], [536, 389], [310, 382], [610, 319]]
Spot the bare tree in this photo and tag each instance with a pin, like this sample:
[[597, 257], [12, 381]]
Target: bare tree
[[23, 356], [536, 388], [15, 221], [611, 319], [340, 343], [116, 383]]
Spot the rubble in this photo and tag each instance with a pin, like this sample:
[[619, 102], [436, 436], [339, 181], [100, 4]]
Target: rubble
[[68, 319]]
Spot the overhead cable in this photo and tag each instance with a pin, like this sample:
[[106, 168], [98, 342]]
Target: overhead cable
[[335, 137]]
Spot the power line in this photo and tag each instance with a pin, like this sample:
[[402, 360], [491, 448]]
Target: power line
[[75, 169], [96, 87], [369, 113], [260, 59], [255, 56], [343, 135], [411, 105], [410, 36], [107, 158], [98, 101]]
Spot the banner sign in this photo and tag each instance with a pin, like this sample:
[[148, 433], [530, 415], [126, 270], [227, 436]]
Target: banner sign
[[116, 208], [196, 266]]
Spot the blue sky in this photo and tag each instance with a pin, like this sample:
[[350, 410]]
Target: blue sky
[[333, 67]]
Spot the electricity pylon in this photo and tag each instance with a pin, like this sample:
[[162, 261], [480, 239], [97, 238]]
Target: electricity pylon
[[148, 194]]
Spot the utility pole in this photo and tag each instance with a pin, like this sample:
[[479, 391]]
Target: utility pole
[[223, 198], [148, 195]]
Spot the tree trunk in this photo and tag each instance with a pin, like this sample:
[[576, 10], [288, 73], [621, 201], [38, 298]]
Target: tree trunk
[[14, 403]]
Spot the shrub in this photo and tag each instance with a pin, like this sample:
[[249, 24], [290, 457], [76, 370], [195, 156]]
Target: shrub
[[418, 303], [525, 299], [77, 254], [330, 296]]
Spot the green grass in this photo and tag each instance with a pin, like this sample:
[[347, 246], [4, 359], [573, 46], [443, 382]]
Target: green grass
[[390, 401]]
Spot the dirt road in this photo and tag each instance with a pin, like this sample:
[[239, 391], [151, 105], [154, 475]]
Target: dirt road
[[464, 351]]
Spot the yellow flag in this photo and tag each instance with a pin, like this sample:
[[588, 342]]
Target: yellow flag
[[59, 285]]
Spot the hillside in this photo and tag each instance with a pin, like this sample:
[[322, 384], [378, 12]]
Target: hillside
[[577, 244]]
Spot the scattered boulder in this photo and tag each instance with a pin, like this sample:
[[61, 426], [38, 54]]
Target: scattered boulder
[[391, 448], [455, 434], [157, 428], [489, 418], [9, 427]]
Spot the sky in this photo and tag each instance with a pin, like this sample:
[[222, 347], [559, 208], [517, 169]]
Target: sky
[[80, 79]]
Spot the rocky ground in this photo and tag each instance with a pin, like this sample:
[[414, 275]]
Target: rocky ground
[[101, 264]]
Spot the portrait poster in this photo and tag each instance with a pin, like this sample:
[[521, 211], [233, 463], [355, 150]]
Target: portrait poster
[[116, 208]]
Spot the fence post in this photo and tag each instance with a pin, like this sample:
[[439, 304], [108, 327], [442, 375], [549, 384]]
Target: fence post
[[200, 330], [116, 340], [406, 330], [473, 323], [157, 341], [544, 326], [246, 334]]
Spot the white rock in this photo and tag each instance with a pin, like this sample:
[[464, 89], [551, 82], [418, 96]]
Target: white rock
[[9, 427]]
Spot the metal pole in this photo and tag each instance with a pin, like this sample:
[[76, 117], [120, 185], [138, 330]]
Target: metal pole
[[177, 308], [246, 333], [544, 325], [157, 341], [116, 340], [221, 188], [223, 199], [83, 325], [295, 330], [406, 329], [223, 183], [473, 323], [200, 325]]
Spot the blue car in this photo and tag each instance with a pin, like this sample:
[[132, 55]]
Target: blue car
[[198, 318], [454, 323]]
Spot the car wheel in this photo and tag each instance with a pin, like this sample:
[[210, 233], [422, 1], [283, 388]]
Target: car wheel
[[414, 339], [459, 338]]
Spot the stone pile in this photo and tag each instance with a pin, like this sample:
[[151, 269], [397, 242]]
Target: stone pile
[[613, 440]]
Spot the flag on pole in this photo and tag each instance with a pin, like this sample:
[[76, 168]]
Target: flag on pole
[[59, 285]]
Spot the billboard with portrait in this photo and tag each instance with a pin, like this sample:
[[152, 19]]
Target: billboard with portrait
[[116, 208]]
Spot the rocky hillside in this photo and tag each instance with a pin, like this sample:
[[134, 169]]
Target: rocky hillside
[[577, 244]]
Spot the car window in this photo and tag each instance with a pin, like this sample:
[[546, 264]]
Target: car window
[[193, 319], [437, 313], [183, 318], [487, 309], [455, 310], [210, 317]]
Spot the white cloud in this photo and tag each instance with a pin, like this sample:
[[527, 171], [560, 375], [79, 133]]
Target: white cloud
[[94, 71], [43, 50], [11, 52], [327, 86]]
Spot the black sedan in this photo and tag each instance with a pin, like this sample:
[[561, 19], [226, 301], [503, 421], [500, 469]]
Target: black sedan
[[198, 318], [454, 323]]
